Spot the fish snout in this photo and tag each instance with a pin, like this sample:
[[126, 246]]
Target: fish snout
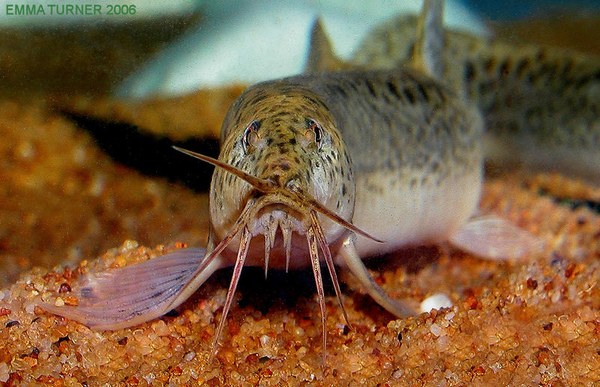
[[280, 172], [282, 164]]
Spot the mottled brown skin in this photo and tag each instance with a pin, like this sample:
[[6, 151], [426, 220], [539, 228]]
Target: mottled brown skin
[[381, 131], [281, 148], [391, 155], [330, 167], [540, 104], [327, 168]]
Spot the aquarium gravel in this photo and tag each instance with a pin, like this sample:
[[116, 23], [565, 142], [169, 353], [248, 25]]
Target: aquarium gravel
[[513, 323]]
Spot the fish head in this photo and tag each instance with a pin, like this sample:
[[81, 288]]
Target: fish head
[[287, 138]]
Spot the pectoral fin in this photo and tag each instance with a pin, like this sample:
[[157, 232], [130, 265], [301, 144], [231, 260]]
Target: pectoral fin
[[121, 298], [354, 263], [494, 238]]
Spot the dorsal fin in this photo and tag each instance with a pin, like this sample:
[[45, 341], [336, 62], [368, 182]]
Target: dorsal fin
[[321, 57], [429, 46]]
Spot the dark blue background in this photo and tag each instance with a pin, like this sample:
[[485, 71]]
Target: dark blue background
[[516, 9]]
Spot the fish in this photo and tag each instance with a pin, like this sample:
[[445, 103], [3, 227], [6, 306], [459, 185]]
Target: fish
[[540, 104], [326, 167]]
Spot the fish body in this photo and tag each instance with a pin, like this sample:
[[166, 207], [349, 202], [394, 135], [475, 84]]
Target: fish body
[[327, 168], [540, 104], [405, 150], [306, 162]]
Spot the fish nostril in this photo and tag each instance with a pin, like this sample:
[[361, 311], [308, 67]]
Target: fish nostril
[[278, 171], [279, 179], [279, 165], [285, 165]]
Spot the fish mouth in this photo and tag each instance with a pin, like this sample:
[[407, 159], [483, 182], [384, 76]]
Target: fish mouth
[[278, 221], [262, 216], [275, 207], [278, 217]]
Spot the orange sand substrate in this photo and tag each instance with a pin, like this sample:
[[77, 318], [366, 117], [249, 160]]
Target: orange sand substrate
[[536, 322], [62, 199]]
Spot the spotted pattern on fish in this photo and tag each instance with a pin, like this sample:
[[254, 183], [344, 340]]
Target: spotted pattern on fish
[[540, 104], [326, 167]]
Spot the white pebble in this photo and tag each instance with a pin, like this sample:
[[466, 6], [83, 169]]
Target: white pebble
[[149, 378], [496, 367], [29, 308], [265, 340], [129, 245], [436, 330], [4, 372], [436, 301]]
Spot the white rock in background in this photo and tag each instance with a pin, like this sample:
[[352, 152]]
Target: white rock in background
[[249, 41]]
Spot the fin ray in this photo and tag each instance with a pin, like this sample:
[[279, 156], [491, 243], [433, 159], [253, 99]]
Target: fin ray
[[429, 46], [121, 298], [321, 57], [493, 238], [353, 261]]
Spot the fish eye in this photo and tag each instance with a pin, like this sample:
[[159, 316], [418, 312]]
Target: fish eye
[[314, 132], [250, 135]]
